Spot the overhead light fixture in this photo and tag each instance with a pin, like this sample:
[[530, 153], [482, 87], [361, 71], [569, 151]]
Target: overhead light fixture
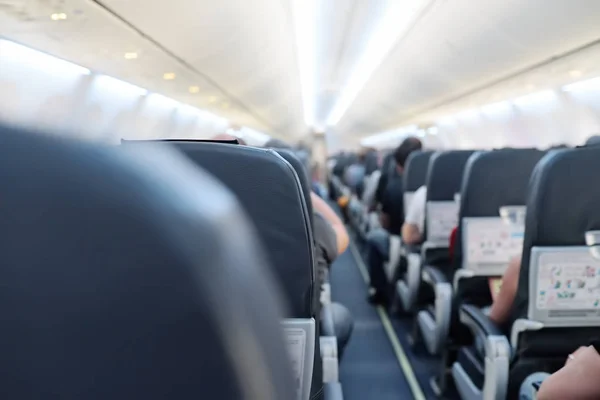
[[225, 105], [212, 99], [589, 85], [395, 23], [36, 59], [169, 76], [194, 89], [434, 130], [575, 73], [305, 20], [535, 98], [58, 16], [119, 86], [530, 86], [496, 108], [131, 56], [468, 114]]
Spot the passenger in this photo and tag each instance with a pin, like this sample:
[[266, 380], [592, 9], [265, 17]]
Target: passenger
[[225, 137], [355, 175], [414, 222], [331, 240], [392, 218], [578, 379]]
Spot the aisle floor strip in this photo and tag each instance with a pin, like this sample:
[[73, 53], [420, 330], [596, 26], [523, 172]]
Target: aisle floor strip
[[407, 369]]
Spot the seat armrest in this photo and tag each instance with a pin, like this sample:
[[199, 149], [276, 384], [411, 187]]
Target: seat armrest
[[327, 325], [432, 275], [477, 321], [333, 391]]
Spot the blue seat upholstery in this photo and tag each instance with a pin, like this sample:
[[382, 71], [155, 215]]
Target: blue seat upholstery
[[121, 280], [556, 221]]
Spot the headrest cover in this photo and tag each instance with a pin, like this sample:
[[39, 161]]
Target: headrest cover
[[416, 170], [562, 205], [121, 279], [444, 175], [270, 191]]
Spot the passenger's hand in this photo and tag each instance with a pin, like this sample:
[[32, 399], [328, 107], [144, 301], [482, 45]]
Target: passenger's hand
[[573, 355]]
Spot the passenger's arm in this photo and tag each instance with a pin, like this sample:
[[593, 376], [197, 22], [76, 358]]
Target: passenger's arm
[[503, 303], [411, 234], [336, 223], [578, 379]]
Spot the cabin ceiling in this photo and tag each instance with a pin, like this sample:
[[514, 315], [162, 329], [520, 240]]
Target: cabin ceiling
[[241, 54]]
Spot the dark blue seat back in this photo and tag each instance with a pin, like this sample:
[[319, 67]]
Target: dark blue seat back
[[121, 279], [415, 171]]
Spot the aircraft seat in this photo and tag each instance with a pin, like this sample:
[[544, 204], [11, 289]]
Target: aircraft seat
[[271, 193], [121, 281], [551, 317], [444, 178]]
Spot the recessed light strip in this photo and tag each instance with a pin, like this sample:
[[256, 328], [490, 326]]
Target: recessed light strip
[[305, 18], [397, 19]]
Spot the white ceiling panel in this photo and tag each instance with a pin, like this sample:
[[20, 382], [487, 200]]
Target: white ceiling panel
[[464, 45]]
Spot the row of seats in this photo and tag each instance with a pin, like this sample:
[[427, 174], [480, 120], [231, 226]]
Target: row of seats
[[539, 206], [137, 272]]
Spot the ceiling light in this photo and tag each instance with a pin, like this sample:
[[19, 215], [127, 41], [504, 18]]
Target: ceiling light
[[305, 18], [36, 59], [395, 23], [575, 73], [589, 85], [169, 76], [496, 108], [131, 56], [119, 86], [530, 87], [225, 105], [434, 130], [194, 89], [535, 98], [212, 99], [58, 16]]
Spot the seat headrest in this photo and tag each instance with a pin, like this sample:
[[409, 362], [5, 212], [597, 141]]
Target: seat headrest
[[301, 171], [444, 174], [493, 179], [562, 205], [416, 170], [122, 278], [270, 191]]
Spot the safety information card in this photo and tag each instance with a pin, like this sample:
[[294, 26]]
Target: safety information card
[[442, 218], [299, 336], [568, 281]]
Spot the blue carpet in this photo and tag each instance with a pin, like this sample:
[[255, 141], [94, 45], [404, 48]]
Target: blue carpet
[[369, 369]]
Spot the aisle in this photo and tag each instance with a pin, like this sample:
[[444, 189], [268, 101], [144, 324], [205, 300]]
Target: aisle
[[370, 369]]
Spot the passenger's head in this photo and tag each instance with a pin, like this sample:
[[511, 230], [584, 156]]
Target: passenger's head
[[225, 137], [277, 144], [402, 152]]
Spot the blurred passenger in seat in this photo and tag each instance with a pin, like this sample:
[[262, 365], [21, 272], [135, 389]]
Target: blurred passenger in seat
[[392, 218], [331, 240]]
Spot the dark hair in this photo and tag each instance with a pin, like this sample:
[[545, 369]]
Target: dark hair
[[402, 152]]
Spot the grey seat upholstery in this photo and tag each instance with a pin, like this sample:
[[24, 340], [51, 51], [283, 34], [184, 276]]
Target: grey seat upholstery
[[121, 280]]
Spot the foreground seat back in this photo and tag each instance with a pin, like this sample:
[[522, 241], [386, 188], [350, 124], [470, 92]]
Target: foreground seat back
[[122, 280], [415, 174], [271, 193], [494, 182]]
